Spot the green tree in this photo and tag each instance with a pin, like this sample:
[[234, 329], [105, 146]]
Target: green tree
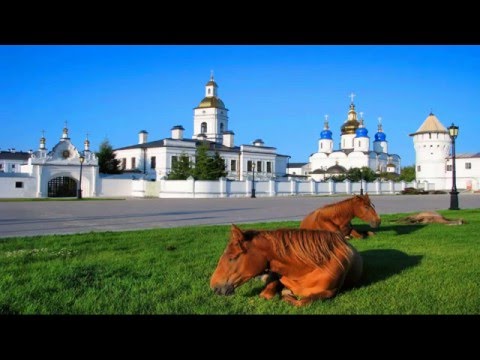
[[107, 162], [365, 173], [407, 173], [208, 167], [388, 176], [217, 167], [201, 170], [181, 169]]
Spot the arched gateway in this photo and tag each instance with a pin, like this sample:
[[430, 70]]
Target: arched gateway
[[62, 186]]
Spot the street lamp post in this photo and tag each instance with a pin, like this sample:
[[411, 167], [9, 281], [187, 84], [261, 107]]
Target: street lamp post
[[79, 191], [453, 132], [361, 181], [253, 181]]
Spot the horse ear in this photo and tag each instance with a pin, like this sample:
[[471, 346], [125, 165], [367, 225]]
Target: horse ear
[[236, 232]]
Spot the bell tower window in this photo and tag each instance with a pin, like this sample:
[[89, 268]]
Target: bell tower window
[[221, 128], [203, 128]]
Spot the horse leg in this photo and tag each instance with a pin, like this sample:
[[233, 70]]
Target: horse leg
[[356, 234], [272, 286], [318, 284], [326, 294]]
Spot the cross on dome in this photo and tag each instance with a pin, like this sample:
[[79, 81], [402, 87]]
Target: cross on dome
[[351, 96]]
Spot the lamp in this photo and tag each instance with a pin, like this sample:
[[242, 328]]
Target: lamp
[[253, 181], [79, 191], [453, 132]]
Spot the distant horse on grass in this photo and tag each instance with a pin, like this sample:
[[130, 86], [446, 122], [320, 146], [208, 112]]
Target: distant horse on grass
[[338, 216], [312, 264]]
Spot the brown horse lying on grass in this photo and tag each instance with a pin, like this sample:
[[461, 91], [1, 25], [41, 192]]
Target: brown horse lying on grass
[[338, 216], [312, 264]]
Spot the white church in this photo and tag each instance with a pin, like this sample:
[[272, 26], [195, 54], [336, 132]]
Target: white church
[[355, 151], [66, 169], [210, 126]]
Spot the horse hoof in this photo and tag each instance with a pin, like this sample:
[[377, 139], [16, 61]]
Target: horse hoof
[[287, 292]]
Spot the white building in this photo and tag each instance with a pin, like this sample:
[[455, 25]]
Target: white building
[[54, 173], [354, 151], [11, 160], [433, 162], [210, 126]]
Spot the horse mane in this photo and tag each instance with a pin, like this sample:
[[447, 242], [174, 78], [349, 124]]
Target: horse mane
[[311, 247], [341, 206]]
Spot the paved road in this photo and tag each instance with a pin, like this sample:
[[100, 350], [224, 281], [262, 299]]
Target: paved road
[[63, 217]]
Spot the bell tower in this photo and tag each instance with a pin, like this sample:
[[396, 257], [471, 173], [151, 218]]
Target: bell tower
[[210, 117]]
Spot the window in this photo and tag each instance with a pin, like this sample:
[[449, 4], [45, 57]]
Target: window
[[259, 166], [209, 91], [133, 163], [321, 145], [203, 128], [153, 162], [419, 168], [124, 163], [269, 166], [468, 166], [221, 127], [430, 136], [1, 166], [249, 165], [449, 167], [233, 165], [359, 143], [13, 166], [18, 184]]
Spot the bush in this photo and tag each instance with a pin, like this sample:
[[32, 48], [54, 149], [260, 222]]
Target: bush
[[413, 191]]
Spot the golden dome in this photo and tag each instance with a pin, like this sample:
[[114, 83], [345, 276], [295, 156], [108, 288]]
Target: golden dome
[[212, 102], [350, 127], [212, 82], [351, 124]]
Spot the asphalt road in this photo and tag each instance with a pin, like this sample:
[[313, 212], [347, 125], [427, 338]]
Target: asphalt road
[[64, 217]]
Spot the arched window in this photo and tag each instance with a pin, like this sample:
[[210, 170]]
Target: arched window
[[203, 128], [221, 128]]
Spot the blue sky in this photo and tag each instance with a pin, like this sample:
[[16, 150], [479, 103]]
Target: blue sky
[[277, 93]]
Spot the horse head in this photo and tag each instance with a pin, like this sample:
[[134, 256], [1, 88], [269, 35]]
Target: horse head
[[365, 210], [240, 262]]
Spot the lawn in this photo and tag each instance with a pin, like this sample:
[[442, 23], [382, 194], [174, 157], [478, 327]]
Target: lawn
[[408, 269]]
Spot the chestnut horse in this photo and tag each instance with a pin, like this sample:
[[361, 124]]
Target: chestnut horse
[[312, 264], [338, 216]]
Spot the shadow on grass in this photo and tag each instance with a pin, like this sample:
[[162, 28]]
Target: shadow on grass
[[380, 264], [398, 229]]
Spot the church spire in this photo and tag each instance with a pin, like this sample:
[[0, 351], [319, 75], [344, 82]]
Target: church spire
[[380, 128], [65, 132], [325, 123], [42, 141], [86, 144], [361, 119], [211, 87]]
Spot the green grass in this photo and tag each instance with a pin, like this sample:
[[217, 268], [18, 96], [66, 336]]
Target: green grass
[[57, 199], [409, 269]]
